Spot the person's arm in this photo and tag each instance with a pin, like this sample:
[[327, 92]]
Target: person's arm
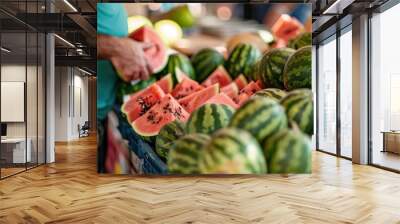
[[126, 55]]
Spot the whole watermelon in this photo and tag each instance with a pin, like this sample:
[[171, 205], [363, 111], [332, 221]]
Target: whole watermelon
[[288, 151], [209, 118], [242, 60], [304, 39], [205, 62], [298, 106], [184, 156], [270, 68], [297, 72], [261, 117], [273, 93], [167, 137], [232, 151], [180, 61]]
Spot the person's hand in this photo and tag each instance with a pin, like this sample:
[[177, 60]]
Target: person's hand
[[130, 61]]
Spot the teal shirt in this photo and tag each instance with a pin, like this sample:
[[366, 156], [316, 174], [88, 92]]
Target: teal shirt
[[111, 20]]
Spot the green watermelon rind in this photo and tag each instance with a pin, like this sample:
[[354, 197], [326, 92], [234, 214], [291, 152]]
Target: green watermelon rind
[[232, 146], [261, 117], [297, 71], [288, 151], [182, 62], [209, 118], [167, 136], [205, 62], [304, 39], [273, 93], [242, 60]]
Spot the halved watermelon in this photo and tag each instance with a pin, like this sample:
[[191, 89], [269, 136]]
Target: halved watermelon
[[194, 100], [140, 102], [185, 88], [165, 111], [250, 89], [166, 83], [220, 75], [222, 98], [157, 54], [241, 81], [230, 90]]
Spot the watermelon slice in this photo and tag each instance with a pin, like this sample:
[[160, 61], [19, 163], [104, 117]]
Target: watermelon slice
[[260, 84], [196, 99], [220, 75], [222, 98], [157, 54], [165, 111], [185, 88], [241, 81], [140, 102], [166, 83], [250, 89], [230, 90], [241, 98]]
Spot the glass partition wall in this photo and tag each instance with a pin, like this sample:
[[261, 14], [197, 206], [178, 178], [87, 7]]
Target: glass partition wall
[[22, 77]]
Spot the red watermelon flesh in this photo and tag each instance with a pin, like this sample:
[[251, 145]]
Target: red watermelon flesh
[[140, 102], [250, 89], [260, 84], [156, 55], [241, 98], [163, 112], [230, 90], [220, 75], [194, 100], [241, 81], [186, 87], [222, 98], [166, 83]]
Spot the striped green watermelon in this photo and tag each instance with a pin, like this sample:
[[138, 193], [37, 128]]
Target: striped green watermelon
[[205, 62], [209, 118], [242, 60], [298, 106], [185, 154], [261, 117], [232, 151], [297, 72], [180, 61], [288, 151], [272, 93], [304, 39], [167, 137], [270, 68]]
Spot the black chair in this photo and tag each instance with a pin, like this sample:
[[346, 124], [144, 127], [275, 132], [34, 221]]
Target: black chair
[[84, 130]]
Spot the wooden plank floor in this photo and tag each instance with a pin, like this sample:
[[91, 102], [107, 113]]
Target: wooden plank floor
[[70, 191]]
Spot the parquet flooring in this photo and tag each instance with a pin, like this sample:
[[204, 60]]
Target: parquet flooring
[[70, 191]]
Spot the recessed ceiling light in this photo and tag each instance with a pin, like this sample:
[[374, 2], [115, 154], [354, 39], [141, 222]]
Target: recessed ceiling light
[[5, 50], [70, 5], [64, 40]]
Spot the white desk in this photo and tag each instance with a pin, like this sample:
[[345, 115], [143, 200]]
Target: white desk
[[18, 150]]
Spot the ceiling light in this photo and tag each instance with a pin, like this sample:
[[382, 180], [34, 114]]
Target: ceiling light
[[70, 5], [65, 41], [5, 50], [84, 71]]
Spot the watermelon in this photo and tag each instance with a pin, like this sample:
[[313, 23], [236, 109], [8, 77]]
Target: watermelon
[[166, 83], [297, 72], [232, 151], [180, 61], [126, 88], [167, 137], [185, 154], [140, 102], [288, 151], [230, 90], [163, 112], [194, 100], [240, 99], [209, 118], [205, 62], [270, 68], [222, 98], [250, 89], [157, 54], [220, 75], [273, 93], [241, 81], [242, 59], [304, 39], [261, 117], [298, 106], [185, 88]]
